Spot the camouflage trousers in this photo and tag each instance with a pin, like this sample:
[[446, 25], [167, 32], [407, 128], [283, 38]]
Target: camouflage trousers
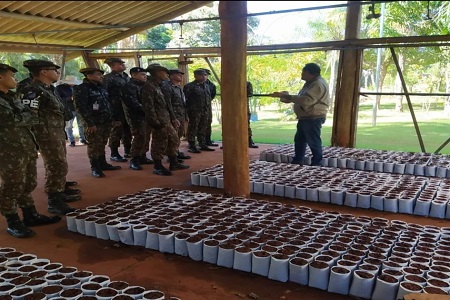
[[119, 133], [97, 140], [54, 154], [198, 122], [148, 137], [18, 180], [165, 141], [183, 127], [140, 143]]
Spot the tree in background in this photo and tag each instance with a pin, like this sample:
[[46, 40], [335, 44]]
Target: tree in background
[[156, 38]]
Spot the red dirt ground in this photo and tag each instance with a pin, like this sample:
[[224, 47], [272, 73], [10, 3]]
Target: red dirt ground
[[175, 275]]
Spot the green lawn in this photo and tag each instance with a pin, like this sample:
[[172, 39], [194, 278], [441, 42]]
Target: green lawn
[[392, 132]]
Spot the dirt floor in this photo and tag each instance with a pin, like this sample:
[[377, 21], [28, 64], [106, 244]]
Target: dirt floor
[[175, 275]]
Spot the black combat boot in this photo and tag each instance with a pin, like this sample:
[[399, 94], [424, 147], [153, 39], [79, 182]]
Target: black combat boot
[[70, 191], [72, 198], [159, 169], [105, 166], [135, 163], [251, 144], [71, 183], [211, 143], [181, 155], [32, 218], [204, 147], [115, 156], [16, 228], [175, 165], [143, 160], [193, 149], [96, 171], [126, 151], [57, 204]]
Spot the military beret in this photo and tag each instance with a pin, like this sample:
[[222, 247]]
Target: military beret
[[153, 68], [112, 60], [39, 64], [137, 70], [7, 67], [86, 71], [175, 71], [200, 72]]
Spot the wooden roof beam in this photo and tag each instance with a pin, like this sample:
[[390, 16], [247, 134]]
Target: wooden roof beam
[[135, 30], [14, 15]]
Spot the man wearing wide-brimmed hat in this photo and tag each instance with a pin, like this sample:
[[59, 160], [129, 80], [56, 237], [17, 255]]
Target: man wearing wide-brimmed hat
[[114, 83], [49, 132], [159, 114], [198, 104], [65, 91], [173, 92]]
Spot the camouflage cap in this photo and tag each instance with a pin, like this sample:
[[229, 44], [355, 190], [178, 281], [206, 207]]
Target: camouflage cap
[[112, 60], [86, 71], [153, 68], [137, 70], [175, 71], [200, 72], [39, 64], [8, 67]]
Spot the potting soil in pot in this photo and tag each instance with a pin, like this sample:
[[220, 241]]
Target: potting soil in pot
[[40, 284], [293, 231]]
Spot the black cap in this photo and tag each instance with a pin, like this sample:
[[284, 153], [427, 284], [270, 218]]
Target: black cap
[[208, 72], [112, 60], [86, 71], [200, 72], [175, 71], [7, 67], [137, 70], [153, 68], [39, 64], [312, 69]]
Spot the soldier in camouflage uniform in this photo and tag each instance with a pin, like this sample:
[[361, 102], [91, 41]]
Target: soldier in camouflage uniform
[[159, 114], [135, 117], [18, 172], [49, 132], [23, 83], [174, 94], [213, 91], [114, 83], [92, 103], [198, 101]]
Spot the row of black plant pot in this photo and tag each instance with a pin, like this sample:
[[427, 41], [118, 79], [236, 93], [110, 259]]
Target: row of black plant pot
[[363, 189], [282, 242], [420, 164]]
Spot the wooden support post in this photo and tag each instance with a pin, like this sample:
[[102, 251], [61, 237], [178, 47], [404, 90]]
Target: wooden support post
[[137, 60], [63, 65], [92, 63], [183, 67], [347, 86], [233, 37]]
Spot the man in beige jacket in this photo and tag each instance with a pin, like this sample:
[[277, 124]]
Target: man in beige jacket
[[311, 106]]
